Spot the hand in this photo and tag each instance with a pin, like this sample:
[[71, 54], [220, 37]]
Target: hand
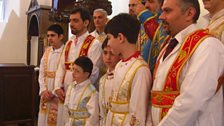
[[220, 83], [139, 8], [221, 80], [46, 95], [61, 94]]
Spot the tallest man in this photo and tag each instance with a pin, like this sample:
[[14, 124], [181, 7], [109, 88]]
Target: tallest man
[[187, 71], [81, 44]]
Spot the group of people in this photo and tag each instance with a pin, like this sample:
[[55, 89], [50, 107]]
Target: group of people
[[151, 67]]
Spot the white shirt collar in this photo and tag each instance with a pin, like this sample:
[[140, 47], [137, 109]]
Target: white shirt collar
[[181, 36], [82, 84], [57, 50]]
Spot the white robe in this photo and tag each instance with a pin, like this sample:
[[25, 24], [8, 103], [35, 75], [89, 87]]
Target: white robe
[[140, 90], [214, 22], [92, 105], [197, 104], [101, 37], [94, 53], [53, 61], [105, 88]]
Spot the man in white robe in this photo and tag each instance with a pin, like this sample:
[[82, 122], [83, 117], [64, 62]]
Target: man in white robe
[[215, 17], [215, 20], [184, 91], [100, 20], [75, 47]]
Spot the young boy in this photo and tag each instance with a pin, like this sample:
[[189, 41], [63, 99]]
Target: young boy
[[106, 81], [81, 102], [132, 79], [49, 111]]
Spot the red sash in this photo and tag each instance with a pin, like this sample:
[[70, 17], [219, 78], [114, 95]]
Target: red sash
[[83, 51], [164, 99]]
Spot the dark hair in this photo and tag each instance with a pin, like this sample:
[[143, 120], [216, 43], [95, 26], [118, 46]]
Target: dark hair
[[84, 13], [191, 3], [85, 63], [105, 43], [56, 28], [161, 1], [125, 24]]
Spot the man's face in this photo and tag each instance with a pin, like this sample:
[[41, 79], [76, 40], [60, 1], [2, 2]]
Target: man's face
[[153, 5], [109, 58], [211, 5], [77, 25], [174, 19], [99, 19], [132, 4], [54, 39]]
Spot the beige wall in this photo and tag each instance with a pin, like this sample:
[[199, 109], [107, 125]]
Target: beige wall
[[13, 31]]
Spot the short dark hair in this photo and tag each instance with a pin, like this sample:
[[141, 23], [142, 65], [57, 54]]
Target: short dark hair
[[56, 28], [185, 4], [126, 24], [85, 63], [105, 43], [161, 1], [84, 13]]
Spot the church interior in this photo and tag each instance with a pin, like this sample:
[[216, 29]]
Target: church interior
[[23, 26]]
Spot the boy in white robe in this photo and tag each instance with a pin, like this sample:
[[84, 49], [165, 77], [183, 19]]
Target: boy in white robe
[[132, 78], [48, 114], [81, 102], [106, 81]]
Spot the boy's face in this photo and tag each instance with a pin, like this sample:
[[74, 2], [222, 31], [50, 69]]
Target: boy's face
[[54, 39], [109, 58], [114, 43], [78, 74]]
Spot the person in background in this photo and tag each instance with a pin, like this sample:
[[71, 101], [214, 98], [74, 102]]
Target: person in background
[[48, 112], [148, 16], [143, 42], [215, 17], [215, 24], [187, 70], [81, 101], [100, 20], [132, 78], [106, 81], [154, 6]]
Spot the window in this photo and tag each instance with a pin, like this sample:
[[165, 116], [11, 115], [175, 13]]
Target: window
[[1, 10]]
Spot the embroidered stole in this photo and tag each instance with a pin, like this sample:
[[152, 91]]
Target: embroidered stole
[[164, 99], [83, 51], [119, 102], [79, 114], [53, 104]]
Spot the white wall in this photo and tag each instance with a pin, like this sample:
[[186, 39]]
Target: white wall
[[119, 6], [14, 29], [13, 32]]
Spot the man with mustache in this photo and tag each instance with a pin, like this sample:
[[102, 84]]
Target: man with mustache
[[215, 24], [148, 16], [81, 44], [187, 71]]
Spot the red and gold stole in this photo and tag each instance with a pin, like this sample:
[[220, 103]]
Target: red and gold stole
[[83, 51], [164, 99]]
